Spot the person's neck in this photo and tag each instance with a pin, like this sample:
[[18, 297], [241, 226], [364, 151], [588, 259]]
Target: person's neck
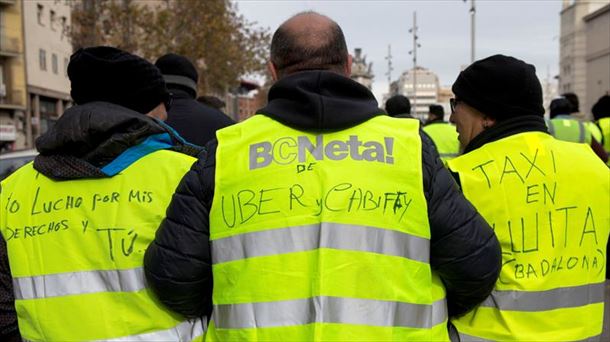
[[506, 128]]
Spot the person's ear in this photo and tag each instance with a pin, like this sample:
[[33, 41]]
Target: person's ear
[[488, 122], [159, 112], [272, 70]]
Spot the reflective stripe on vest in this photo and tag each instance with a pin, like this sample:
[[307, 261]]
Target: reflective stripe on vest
[[469, 338], [323, 309], [76, 251], [529, 187], [74, 283], [323, 235], [303, 250], [448, 155], [563, 297], [184, 332], [569, 130]]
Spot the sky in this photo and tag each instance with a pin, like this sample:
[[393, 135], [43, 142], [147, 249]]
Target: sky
[[526, 29]]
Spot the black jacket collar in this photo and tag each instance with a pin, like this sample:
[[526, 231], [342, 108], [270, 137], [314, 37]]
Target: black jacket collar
[[503, 129], [181, 93], [88, 137], [320, 100]]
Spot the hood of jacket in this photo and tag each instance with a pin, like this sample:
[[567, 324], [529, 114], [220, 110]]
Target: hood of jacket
[[320, 100], [88, 139]]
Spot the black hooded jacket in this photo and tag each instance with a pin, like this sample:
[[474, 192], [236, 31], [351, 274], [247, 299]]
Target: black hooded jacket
[[194, 121], [464, 250]]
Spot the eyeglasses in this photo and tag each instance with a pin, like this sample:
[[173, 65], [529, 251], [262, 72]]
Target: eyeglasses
[[453, 102]]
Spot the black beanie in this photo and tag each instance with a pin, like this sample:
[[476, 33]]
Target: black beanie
[[398, 104], [108, 74], [178, 70], [560, 106], [437, 110], [500, 86], [601, 109]]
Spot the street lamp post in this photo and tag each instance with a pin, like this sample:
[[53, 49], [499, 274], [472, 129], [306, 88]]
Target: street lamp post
[[390, 68], [413, 30], [472, 11], [472, 30]]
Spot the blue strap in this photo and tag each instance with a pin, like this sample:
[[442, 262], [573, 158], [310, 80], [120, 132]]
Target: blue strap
[[176, 135], [152, 144]]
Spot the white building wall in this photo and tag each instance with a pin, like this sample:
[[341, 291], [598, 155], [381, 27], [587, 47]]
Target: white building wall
[[597, 57], [46, 27], [573, 47], [426, 94]]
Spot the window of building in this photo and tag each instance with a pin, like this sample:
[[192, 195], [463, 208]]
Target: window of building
[[52, 19], [64, 27], [66, 62], [40, 12], [42, 59], [54, 64]]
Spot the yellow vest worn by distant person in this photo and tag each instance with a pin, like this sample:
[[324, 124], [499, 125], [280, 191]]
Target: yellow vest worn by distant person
[[604, 126], [594, 130], [322, 236], [76, 252], [445, 138], [569, 129], [547, 201]]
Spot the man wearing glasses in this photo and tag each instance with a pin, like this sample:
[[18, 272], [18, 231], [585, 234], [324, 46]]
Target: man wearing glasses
[[547, 201]]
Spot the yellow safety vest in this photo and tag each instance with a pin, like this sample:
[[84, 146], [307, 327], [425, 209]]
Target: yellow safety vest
[[594, 130], [322, 236], [569, 129], [445, 138], [547, 201], [604, 125], [76, 252]]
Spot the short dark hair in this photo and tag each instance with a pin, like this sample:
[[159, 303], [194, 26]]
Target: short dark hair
[[560, 106], [573, 98], [324, 49], [437, 110], [397, 105], [601, 108]]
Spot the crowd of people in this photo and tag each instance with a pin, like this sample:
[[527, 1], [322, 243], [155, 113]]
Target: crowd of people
[[149, 215]]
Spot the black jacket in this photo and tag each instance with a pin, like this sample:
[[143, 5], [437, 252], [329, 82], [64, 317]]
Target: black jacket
[[194, 121], [84, 140], [464, 250]]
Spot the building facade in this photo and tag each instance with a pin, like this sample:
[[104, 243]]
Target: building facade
[[243, 101], [421, 86], [47, 54], [361, 71], [12, 76], [444, 95], [573, 48], [597, 57]]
